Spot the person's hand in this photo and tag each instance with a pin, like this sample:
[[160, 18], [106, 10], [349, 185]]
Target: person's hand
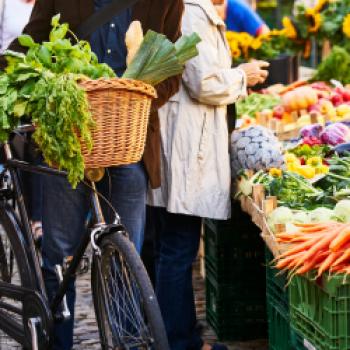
[[255, 72]]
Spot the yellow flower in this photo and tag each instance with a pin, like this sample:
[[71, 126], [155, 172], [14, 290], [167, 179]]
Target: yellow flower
[[346, 25], [315, 22], [274, 172], [289, 27], [320, 5], [236, 53], [256, 44]]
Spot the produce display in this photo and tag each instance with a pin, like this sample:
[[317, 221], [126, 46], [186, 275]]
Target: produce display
[[43, 85], [295, 106]]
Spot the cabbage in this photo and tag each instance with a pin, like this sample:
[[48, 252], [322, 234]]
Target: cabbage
[[342, 210], [335, 134], [281, 215], [290, 228], [301, 217], [322, 215], [313, 130]]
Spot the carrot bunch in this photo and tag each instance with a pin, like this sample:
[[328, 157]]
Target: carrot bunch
[[322, 247]]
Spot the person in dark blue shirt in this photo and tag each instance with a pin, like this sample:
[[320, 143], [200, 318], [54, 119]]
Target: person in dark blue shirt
[[240, 17], [108, 42]]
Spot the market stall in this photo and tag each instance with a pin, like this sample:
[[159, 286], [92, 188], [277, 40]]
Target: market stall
[[291, 165]]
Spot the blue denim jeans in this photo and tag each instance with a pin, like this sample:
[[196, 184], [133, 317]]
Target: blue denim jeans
[[64, 215], [177, 243]]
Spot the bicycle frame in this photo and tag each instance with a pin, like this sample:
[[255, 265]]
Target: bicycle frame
[[13, 165]]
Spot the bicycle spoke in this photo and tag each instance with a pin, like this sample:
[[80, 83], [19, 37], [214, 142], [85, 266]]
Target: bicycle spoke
[[124, 304]]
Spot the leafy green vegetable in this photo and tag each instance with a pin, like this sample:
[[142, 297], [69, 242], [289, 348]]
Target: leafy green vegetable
[[43, 84], [256, 103], [158, 58], [307, 151], [335, 66]]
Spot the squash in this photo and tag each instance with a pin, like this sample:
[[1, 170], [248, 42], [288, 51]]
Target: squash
[[299, 98]]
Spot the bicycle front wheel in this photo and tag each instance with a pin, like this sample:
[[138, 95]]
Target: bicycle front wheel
[[126, 308]]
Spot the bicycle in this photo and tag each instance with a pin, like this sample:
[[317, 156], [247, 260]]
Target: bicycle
[[126, 309]]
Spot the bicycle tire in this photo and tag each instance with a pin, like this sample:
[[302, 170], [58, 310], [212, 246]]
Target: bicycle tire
[[118, 243], [13, 260]]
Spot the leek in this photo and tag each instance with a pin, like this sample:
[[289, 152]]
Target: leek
[[159, 59]]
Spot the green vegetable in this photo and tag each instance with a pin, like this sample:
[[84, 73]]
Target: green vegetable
[[43, 85], [293, 191], [335, 66], [342, 211], [281, 215], [158, 58], [256, 103], [307, 151]]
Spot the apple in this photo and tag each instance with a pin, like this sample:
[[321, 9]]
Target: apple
[[346, 95], [278, 112], [336, 99]]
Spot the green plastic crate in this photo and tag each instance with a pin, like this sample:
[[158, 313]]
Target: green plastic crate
[[281, 335], [233, 247], [320, 311], [232, 316]]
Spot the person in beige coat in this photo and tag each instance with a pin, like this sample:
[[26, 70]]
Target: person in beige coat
[[196, 177]]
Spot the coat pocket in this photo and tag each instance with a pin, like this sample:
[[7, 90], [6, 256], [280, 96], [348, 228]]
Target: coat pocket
[[203, 141]]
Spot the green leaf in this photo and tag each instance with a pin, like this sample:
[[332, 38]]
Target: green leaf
[[59, 32], [4, 83], [20, 108], [44, 56], [26, 76], [55, 21], [186, 47], [26, 40]]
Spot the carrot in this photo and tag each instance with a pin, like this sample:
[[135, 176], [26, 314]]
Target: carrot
[[345, 256], [341, 239], [310, 264], [293, 86], [286, 261], [332, 257], [310, 224], [299, 247], [319, 244], [317, 228]]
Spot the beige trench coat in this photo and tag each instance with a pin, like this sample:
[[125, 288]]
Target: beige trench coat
[[196, 176]]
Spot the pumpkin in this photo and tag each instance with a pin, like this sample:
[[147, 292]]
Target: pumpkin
[[300, 98]]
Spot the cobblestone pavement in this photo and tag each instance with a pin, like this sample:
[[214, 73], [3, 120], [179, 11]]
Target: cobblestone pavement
[[86, 334]]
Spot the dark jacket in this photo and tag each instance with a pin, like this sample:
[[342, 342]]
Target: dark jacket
[[162, 16]]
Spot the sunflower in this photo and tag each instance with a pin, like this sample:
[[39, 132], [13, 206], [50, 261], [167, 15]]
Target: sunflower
[[289, 27], [320, 5], [315, 22], [236, 53], [346, 25], [245, 39], [256, 44]]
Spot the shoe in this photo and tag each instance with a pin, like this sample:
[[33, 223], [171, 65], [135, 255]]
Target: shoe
[[219, 347]]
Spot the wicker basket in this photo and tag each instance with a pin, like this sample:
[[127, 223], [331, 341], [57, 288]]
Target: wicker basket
[[120, 108]]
